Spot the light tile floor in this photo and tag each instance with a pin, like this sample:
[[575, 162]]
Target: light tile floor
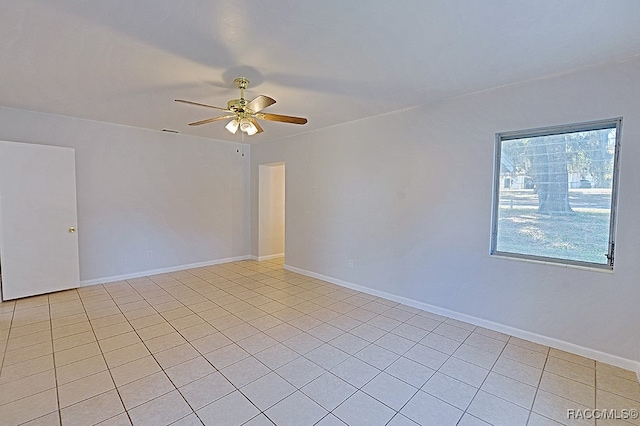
[[251, 343]]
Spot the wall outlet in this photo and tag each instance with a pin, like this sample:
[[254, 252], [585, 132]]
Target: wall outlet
[[350, 263], [149, 254]]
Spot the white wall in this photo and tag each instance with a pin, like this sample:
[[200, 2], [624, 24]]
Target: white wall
[[271, 208], [407, 196], [182, 198]]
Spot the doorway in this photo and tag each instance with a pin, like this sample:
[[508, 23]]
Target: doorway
[[271, 211]]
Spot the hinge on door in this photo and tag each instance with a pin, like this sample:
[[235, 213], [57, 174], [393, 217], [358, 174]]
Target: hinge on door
[[611, 253]]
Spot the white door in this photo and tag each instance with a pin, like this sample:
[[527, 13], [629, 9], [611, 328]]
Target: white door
[[38, 239]]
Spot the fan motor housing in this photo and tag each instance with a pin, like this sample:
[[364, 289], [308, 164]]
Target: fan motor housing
[[237, 104]]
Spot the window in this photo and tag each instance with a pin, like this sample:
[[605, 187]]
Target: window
[[555, 194]]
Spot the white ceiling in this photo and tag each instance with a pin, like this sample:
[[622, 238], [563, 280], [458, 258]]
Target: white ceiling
[[332, 61]]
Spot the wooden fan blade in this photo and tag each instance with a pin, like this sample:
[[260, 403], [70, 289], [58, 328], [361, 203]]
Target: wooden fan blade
[[255, 123], [260, 103], [282, 118], [211, 120], [199, 104]]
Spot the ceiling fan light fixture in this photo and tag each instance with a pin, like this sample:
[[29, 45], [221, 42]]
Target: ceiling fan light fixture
[[245, 114], [252, 130], [245, 124], [232, 126], [248, 127]]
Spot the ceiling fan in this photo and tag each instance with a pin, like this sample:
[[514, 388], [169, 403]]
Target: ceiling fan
[[243, 113]]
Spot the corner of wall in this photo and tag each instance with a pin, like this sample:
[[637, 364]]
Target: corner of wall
[[638, 371]]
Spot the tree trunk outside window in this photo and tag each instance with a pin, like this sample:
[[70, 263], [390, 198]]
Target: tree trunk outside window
[[551, 174]]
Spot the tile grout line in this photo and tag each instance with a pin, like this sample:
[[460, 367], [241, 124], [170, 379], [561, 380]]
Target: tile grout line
[[104, 359], [6, 346], [535, 396], [53, 355], [483, 381]]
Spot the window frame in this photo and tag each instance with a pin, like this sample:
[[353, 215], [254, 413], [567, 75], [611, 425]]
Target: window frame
[[549, 131]]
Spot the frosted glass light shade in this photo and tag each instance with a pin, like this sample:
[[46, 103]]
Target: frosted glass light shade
[[232, 126]]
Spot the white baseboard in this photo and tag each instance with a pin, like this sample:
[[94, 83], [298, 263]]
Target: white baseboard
[[141, 274], [615, 360], [269, 257]]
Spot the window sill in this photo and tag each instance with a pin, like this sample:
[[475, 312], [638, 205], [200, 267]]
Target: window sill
[[605, 270]]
